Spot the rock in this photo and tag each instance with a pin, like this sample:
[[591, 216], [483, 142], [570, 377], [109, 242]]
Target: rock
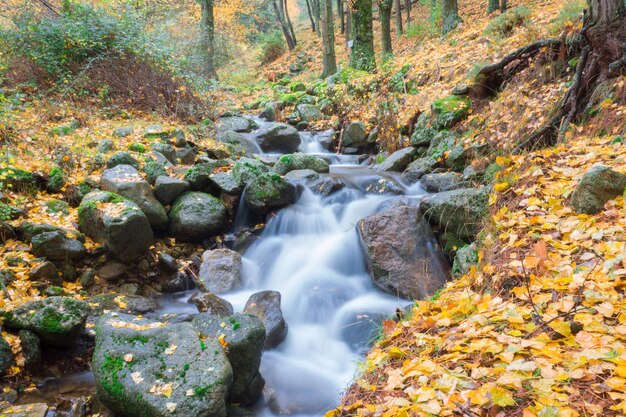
[[55, 320], [327, 186], [461, 90], [28, 230], [451, 110], [236, 124], [220, 271], [166, 189], [168, 262], [402, 254], [309, 113], [56, 180], [122, 158], [246, 146], [45, 272], [354, 136], [199, 176], [177, 138], [122, 132], [417, 169], [195, 216], [278, 137], [265, 305], [87, 279], [299, 161], [112, 270], [599, 185], [227, 183], [301, 175], [212, 304], [31, 349], [166, 150], [269, 112], [6, 232], [445, 181], [246, 170], [154, 170], [105, 146], [126, 181], [245, 338], [122, 303], [456, 159], [269, 192], [56, 246], [27, 410], [398, 161], [185, 156], [464, 258], [372, 137], [57, 206], [422, 136], [146, 368], [460, 212], [6, 356], [155, 132], [117, 223], [380, 186]]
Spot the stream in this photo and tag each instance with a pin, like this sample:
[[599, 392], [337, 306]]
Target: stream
[[309, 252]]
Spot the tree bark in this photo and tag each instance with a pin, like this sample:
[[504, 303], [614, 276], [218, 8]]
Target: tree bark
[[289, 25], [208, 38], [291, 42], [493, 6], [348, 23], [398, 7], [308, 9], [342, 16], [315, 5], [503, 6], [362, 56], [385, 6], [328, 39], [408, 12], [450, 13]]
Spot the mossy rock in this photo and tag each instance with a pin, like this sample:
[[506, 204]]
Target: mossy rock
[[195, 216], [269, 191], [122, 158], [199, 176], [246, 170], [17, 178], [464, 259], [153, 170], [451, 110], [137, 147], [299, 161], [56, 180], [57, 206]]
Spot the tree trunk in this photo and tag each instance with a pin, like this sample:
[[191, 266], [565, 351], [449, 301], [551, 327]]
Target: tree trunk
[[208, 38], [385, 6], [328, 39], [342, 16], [399, 29], [493, 6], [315, 5], [503, 5], [362, 56], [289, 25], [291, 42], [408, 12], [348, 23], [450, 13], [308, 9]]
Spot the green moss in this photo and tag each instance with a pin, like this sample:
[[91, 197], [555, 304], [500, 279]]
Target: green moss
[[111, 380], [137, 147], [57, 206], [52, 321], [451, 109]]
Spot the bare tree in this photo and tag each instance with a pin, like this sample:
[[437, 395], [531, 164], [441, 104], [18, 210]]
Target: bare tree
[[280, 16]]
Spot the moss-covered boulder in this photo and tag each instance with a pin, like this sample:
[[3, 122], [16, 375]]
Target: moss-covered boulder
[[239, 144], [199, 176], [246, 170], [56, 246], [122, 158], [56, 180], [397, 161], [450, 110], [279, 138], [55, 320], [153, 170], [299, 161], [354, 136], [117, 223], [464, 258], [269, 191], [146, 368], [166, 189], [18, 179], [245, 338], [309, 112], [28, 230], [599, 185], [418, 168], [195, 216], [459, 212], [236, 124]]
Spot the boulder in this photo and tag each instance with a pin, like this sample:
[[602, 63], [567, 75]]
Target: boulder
[[299, 161], [6, 356], [417, 169], [265, 305], [269, 112], [6, 232], [599, 185], [327, 186], [166, 189], [444, 181], [185, 155], [227, 183], [122, 132], [422, 137], [146, 368], [166, 150], [402, 254], [117, 223], [56, 321], [269, 192], [246, 170], [122, 158], [220, 271], [242, 144], [56, 246], [199, 176], [28, 230], [105, 146], [460, 212], [397, 161], [354, 135], [31, 349], [451, 110], [244, 337], [464, 258], [212, 304], [27, 410], [121, 303], [278, 137], [126, 181], [153, 170], [236, 124], [309, 112], [45, 272], [301, 175], [195, 216]]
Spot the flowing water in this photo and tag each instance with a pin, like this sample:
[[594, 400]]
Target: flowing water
[[309, 252]]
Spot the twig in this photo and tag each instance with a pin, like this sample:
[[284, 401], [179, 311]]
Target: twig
[[530, 297], [464, 410]]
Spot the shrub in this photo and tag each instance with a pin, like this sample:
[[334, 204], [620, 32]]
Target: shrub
[[422, 29], [272, 47], [503, 25]]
